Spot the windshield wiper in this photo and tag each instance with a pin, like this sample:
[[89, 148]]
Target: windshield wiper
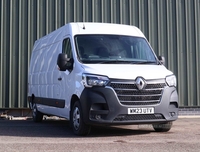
[[122, 62], [115, 61], [147, 62]]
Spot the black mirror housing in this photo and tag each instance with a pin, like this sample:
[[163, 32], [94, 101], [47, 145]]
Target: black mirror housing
[[63, 62], [161, 59]]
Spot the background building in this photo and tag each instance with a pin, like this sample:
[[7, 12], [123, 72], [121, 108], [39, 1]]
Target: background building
[[171, 26]]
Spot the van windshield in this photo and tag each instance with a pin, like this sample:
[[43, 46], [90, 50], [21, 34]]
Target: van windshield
[[114, 49]]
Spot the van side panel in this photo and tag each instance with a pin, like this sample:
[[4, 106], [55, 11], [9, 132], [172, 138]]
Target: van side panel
[[44, 74]]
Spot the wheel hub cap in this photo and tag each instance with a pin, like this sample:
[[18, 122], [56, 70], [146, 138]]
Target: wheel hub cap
[[76, 118]]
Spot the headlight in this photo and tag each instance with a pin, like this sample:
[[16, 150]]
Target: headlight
[[171, 80], [94, 80]]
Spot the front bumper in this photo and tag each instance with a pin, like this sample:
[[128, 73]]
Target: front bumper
[[102, 106]]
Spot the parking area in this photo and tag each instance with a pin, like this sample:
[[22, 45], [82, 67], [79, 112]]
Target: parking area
[[55, 135]]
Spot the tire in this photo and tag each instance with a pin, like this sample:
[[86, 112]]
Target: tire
[[163, 127], [37, 116], [76, 120]]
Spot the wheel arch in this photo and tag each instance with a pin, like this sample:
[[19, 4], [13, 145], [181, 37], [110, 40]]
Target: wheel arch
[[73, 100], [32, 97], [31, 100]]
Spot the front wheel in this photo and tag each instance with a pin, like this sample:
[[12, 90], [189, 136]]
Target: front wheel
[[79, 127], [162, 127], [37, 116]]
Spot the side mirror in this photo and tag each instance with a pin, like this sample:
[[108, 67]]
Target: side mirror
[[161, 59], [64, 63]]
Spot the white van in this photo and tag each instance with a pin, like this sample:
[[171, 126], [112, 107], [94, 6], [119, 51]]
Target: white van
[[100, 74]]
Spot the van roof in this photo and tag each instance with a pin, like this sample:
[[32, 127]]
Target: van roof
[[78, 28], [104, 28]]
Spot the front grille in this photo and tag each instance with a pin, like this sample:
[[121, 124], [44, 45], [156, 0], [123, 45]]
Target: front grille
[[128, 93], [138, 117]]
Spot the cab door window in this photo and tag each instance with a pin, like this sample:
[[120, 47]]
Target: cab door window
[[67, 49]]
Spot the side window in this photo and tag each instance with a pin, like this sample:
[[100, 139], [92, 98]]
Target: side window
[[66, 48]]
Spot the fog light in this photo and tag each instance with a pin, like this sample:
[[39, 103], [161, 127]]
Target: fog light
[[172, 114], [97, 117]]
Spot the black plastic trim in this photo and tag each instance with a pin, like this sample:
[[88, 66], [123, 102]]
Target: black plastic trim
[[101, 105], [59, 103]]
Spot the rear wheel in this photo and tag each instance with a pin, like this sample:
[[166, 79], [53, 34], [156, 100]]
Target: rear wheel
[[78, 126], [162, 127], [37, 116]]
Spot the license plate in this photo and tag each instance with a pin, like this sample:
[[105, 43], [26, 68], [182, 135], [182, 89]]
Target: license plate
[[140, 110]]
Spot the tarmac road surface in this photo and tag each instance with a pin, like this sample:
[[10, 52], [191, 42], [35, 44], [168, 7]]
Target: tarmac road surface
[[56, 136]]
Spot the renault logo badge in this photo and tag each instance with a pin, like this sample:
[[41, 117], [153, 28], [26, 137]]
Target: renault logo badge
[[140, 83]]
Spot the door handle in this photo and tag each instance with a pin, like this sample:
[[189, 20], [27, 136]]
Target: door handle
[[59, 79]]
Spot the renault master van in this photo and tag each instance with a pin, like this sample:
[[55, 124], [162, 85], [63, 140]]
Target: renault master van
[[100, 74]]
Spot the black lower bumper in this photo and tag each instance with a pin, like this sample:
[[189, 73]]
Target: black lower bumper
[[102, 106]]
